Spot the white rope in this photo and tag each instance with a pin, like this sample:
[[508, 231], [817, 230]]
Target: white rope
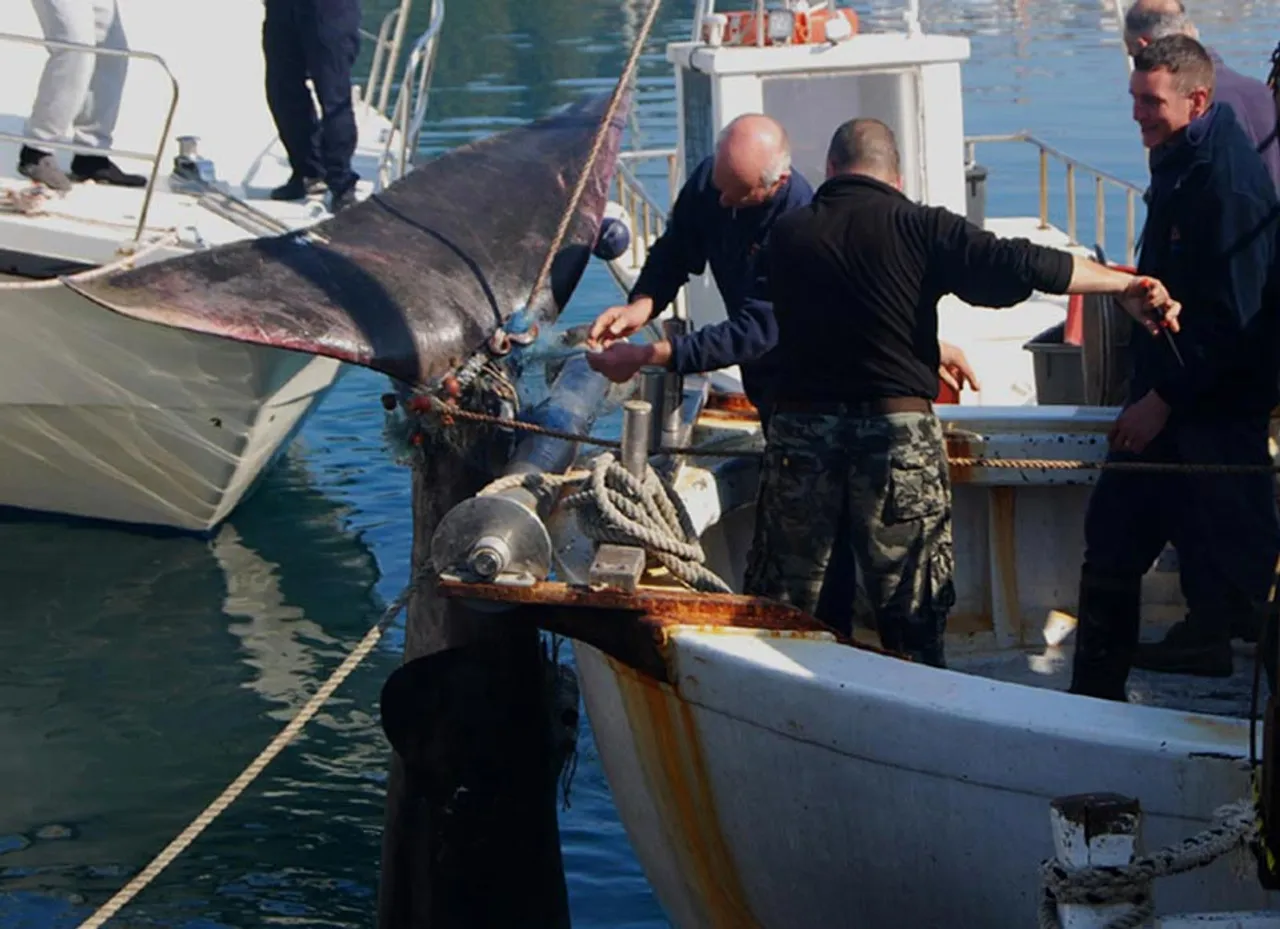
[[27, 201], [1237, 825], [615, 506], [256, 767]]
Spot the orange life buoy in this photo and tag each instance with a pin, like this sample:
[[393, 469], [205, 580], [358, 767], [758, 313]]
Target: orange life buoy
[[808, 27]]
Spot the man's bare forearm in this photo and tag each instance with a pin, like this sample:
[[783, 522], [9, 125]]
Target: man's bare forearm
[[1089, 277]]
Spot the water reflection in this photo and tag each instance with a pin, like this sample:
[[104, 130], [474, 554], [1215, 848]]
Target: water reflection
[[143, 672]]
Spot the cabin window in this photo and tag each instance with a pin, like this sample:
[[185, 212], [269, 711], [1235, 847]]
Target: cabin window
[[699, 126], [810, 106]]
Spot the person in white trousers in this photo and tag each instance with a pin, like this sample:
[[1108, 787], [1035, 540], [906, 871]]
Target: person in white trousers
[[78, 99]]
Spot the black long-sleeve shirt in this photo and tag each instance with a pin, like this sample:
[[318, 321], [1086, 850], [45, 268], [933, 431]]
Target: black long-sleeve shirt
[[855, 280]]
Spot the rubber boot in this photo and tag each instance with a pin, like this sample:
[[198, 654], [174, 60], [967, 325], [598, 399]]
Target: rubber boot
[[1106, 635]]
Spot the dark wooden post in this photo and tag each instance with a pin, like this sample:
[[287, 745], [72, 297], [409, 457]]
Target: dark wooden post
[[471, 838]]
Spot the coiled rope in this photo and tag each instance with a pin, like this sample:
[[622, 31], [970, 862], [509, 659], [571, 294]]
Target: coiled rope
[[1237, 826], [615, 506]]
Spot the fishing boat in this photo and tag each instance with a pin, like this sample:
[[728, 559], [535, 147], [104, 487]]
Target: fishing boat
[[111, 418], [769, 772]]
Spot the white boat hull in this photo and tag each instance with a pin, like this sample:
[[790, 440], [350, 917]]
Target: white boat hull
[[784, 779], [784, 782], [109, 418]]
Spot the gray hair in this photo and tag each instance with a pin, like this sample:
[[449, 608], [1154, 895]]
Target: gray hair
[[1155, 23], [781, 165]]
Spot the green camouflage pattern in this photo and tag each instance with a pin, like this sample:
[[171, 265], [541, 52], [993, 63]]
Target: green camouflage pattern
[[889, 474]]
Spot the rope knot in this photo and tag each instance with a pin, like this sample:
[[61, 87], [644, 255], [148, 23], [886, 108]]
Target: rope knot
[[1104, 885]]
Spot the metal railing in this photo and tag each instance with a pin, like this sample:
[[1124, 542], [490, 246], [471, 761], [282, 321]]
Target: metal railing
[[645, 215], [153, 158], [411, 100], [386, 51], [1074, 167]]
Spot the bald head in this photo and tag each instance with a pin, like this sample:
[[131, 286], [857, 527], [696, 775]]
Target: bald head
[[1148, 20], [753, 160], [865, 146]]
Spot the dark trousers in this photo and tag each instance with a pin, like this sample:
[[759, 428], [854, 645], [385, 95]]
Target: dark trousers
[[317, 39], [1225, 528], [839, 593]]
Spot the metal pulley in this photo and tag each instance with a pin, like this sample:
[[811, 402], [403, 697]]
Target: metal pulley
[[502, 537]]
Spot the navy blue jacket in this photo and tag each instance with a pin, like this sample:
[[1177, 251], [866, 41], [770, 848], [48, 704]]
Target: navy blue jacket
[[1210, 236], [1254, 108], [701, 232]]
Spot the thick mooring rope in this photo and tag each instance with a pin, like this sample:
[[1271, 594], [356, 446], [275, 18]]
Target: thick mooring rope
[[250, 773], [615, 506], [1237, 825]]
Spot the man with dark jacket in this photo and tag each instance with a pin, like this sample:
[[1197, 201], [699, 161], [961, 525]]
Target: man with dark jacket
[[316, 39], [721, 218], [855, 280], [1249, 98], [1211, 237]]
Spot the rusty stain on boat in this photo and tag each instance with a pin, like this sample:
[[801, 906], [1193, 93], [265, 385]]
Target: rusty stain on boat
[[671, 758], [1230, 730], [1004, 548], [635, 628], [722, 405]]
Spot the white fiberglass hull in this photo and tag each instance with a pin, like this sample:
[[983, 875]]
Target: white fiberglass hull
[[109, 418], [785, 782]]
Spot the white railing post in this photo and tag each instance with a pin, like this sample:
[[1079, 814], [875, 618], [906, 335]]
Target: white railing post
[[1089, 831]]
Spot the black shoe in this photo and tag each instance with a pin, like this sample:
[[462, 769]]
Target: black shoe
[[297, 188], [102, 170], [1186, 650], [341, 199], [42, 168]]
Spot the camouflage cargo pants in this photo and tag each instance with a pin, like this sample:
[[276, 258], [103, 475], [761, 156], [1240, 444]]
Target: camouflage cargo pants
[[888, 475]]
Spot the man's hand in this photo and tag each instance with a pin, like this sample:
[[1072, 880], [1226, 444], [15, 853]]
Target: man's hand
[[953, 367], [621, 360], [1147, 301], [1139, 424], [618, 322]]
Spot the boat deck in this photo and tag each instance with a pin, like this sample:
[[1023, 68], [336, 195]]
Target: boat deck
[[1050, 668], [91, 221]]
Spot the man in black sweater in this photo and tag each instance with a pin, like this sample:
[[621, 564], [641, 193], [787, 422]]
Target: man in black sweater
[[855, 280], [1211, 236]]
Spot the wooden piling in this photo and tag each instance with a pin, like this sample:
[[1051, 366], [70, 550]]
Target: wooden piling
[[471, 835]]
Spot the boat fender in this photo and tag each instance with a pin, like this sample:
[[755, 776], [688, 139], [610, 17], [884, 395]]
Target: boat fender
[[615, 235]]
